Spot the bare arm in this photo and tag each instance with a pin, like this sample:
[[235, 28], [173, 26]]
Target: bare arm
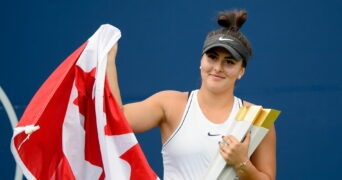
[[112, 74], [142, 115], [146, 114], [264, 157]]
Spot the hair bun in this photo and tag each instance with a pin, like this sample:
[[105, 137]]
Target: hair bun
[[232, 20]]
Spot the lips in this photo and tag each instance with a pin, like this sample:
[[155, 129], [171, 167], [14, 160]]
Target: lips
[[216, 76]]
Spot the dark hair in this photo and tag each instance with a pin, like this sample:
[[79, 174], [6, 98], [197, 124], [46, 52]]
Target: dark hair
[[231, 22]]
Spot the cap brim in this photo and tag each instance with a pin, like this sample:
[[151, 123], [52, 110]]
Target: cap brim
[[231, 50]]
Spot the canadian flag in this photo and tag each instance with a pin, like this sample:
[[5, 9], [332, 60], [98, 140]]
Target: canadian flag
[[73, 128]]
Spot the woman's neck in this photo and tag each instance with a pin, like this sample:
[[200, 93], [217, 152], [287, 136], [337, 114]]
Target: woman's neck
[[216, 107], [216, 99]]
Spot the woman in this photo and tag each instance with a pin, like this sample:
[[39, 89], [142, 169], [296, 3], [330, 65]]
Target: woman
[[192, 124]]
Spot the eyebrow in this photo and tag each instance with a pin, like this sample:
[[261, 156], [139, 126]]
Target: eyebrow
[[229, 57], [214, 52]]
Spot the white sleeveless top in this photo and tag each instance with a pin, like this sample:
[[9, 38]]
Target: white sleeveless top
[[194, 144]]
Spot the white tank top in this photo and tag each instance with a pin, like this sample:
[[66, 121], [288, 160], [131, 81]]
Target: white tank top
[[194, 144]]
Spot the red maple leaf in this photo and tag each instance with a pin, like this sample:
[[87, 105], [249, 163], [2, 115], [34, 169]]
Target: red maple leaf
[[86, 104]]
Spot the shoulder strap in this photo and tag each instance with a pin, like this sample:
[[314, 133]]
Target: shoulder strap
[[241, 102]]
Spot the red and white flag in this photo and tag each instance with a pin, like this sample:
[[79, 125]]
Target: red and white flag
[[73, 128]]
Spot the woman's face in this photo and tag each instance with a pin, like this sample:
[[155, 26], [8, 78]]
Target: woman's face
[[219, 70]]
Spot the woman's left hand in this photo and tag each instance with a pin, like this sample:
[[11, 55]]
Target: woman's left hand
[[233, 151]]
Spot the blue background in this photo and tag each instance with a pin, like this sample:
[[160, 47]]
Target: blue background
[[296, 65]]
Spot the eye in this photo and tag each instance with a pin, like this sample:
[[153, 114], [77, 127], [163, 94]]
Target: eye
[[230, 61], [212, 56]]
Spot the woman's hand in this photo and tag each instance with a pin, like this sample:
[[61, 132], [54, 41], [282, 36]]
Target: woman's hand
[[234, 152], [262, 165]]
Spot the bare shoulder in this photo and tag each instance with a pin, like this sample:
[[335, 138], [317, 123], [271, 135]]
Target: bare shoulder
[[170, 97], [159, 109], [168, 101], [172, 102], [160, 100]]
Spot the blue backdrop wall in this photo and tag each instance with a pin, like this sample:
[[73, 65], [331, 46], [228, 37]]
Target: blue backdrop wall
[[295, 67]]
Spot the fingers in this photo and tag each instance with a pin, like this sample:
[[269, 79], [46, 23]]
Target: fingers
[[233, 140], [224, 149], [230, 144], [223, 144], [232, 150], [230, 139]]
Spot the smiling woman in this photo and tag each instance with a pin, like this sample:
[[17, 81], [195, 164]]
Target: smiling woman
[[219, 66], [192, 124]]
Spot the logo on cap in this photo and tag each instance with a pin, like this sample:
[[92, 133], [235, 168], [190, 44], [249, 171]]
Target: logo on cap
[[225, 39]]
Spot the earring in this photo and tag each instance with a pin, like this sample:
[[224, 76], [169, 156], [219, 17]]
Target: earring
[[200, 67], [239, 77]]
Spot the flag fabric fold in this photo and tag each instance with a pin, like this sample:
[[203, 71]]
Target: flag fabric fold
[[73, 127]]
